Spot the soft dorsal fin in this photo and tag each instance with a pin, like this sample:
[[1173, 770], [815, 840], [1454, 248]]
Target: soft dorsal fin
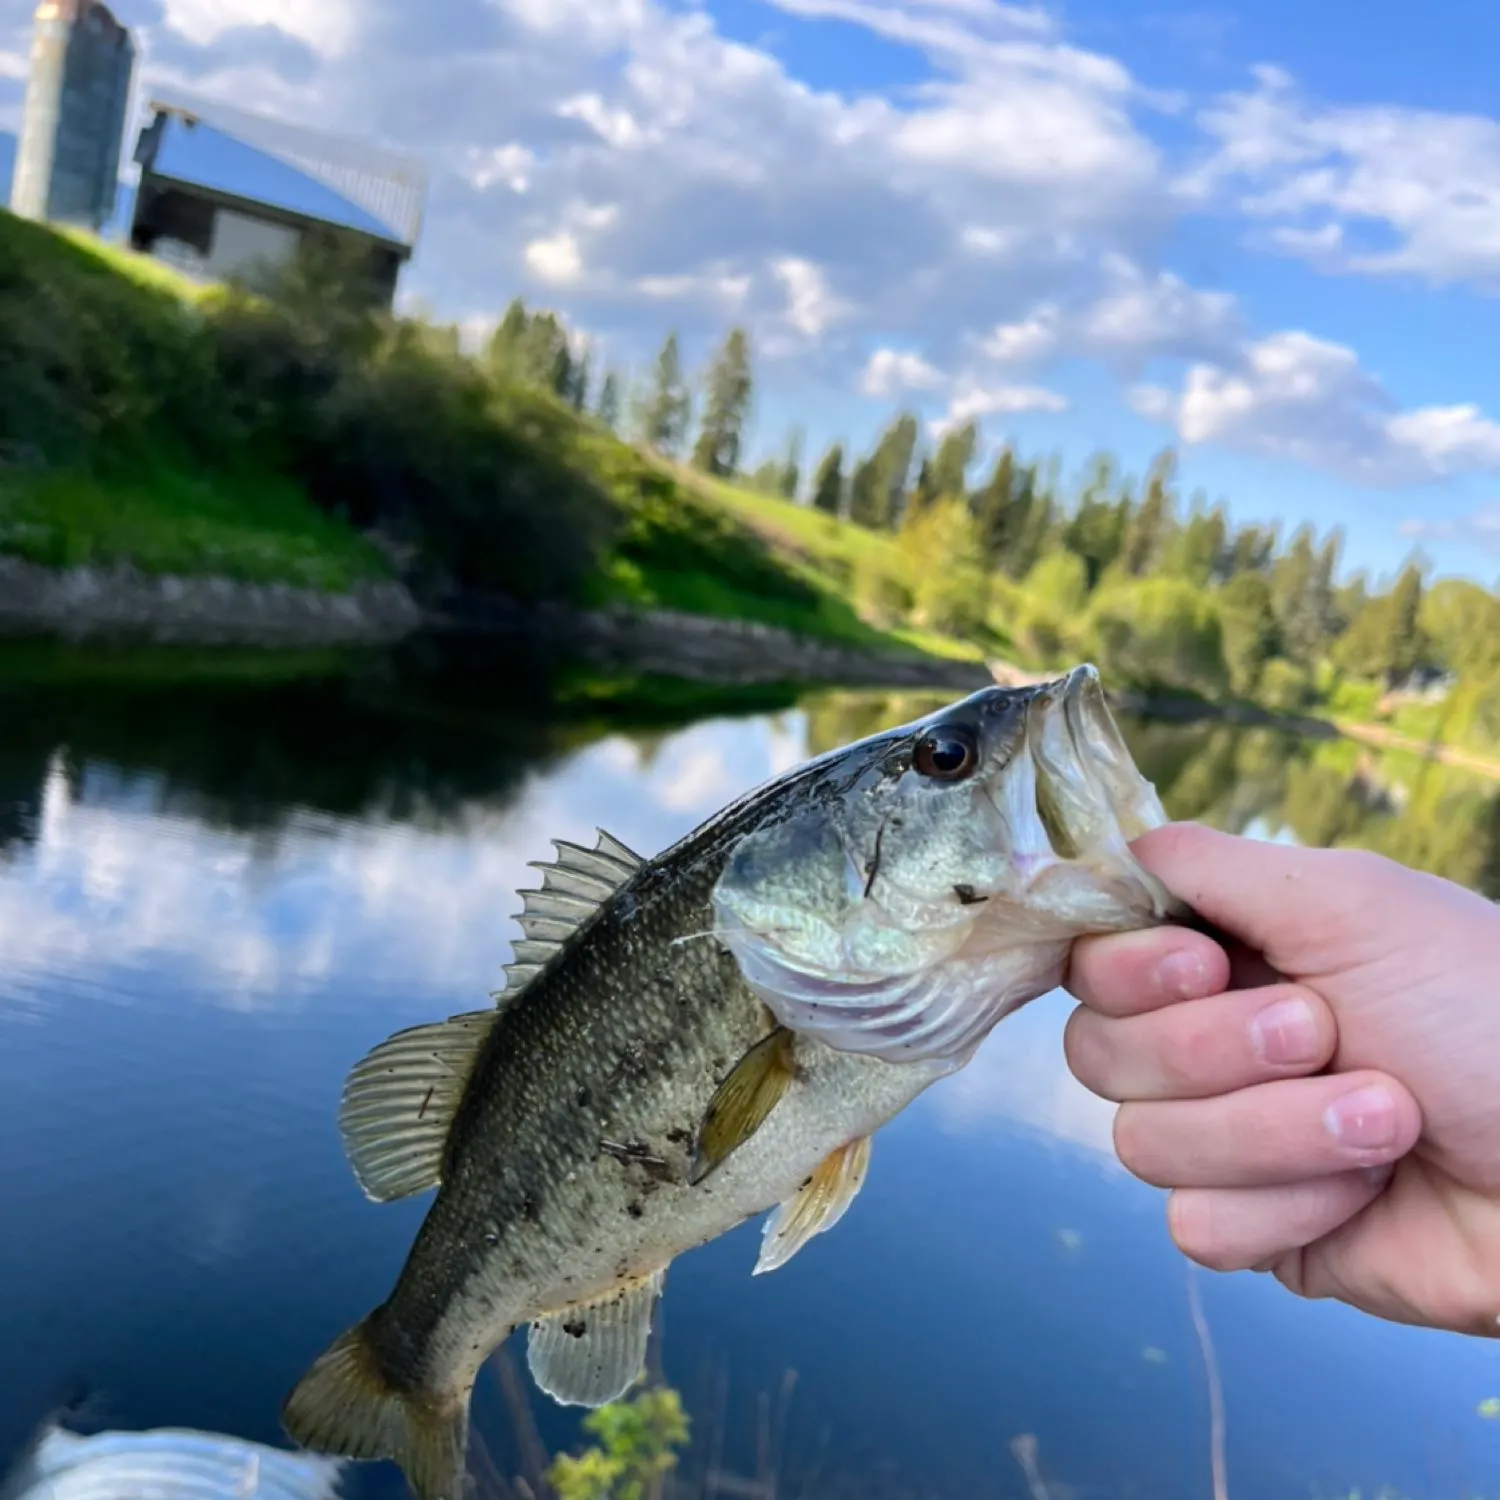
[[574, 886], [399, 1101], [816, 1206], [591, 1354]]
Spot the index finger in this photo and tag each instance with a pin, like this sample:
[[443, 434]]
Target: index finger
[[1130, 973]]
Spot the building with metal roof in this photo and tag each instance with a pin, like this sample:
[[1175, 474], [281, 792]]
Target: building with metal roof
[[224, 192]]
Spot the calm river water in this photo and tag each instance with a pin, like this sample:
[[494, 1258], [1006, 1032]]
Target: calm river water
[[219, 888]]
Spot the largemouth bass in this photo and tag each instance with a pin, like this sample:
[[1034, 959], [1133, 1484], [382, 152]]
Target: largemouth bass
[[688, 1041]]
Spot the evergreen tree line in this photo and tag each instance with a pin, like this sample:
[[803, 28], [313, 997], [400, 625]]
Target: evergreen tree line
[[1157, 589]]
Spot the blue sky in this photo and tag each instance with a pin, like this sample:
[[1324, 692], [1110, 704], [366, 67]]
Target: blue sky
[[1267, 232]]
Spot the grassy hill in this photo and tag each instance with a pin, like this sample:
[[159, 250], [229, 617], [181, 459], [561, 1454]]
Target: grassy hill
[[201, 430]]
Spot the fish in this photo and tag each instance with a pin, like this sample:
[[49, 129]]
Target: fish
[[166, 1463], [688, 1041]]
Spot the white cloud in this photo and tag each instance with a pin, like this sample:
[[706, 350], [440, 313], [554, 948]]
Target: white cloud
[[328, 27], [811, 304], [1480, 528], [973, 401], [1453, 439], [1003, 216], [889, 372], [1294, 396], [1126, 317], [510, 165], [848, 222], [1374, 189], [616, 127], [712, 286], [1025, 341], [1141, 315], [555, 258], [127, 881]]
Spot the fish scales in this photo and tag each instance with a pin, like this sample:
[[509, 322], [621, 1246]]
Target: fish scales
[[620, 1042], [693, 1040]]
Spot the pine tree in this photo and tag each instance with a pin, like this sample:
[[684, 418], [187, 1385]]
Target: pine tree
[[1404, 645], [1303, 600], [1097, 527], [791, 465], [665, 407], [994, 509], [503, 352], [867, 500], [1253, 550], [925, 490], [828, 482], [608, 410], [578, 384], [727, 390], [878, 489], [950, 464], [1153, 518], [766, 477]]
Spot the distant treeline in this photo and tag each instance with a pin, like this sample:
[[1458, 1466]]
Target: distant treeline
[[520, 467], [1163, 593]]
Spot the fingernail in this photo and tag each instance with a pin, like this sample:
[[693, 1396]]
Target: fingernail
[[1286, 1032], [1180, 974], [1365, 1119]]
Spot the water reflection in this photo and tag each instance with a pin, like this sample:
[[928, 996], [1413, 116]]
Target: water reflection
[[214, 899]]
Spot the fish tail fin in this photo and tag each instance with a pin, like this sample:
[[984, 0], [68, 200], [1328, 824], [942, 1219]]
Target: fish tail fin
[[345, 1405]]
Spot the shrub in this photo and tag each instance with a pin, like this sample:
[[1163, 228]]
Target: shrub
[[1161, 633]]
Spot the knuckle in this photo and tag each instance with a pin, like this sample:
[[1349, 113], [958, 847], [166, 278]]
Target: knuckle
[[1190, 1056], [1135, 1145], [1198, 1232], [1086, 1051]]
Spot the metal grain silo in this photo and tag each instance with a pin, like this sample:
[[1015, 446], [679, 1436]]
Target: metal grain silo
[[73, 120]]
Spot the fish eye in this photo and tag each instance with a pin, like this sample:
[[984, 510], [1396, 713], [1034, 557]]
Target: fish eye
[[946, 754]]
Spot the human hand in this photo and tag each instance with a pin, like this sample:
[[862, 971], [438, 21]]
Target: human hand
[[1325, 1104]]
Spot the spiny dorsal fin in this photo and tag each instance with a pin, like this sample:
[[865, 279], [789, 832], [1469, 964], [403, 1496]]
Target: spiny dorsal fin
[[742, 1102], [574, 886], [399, 1101], [591, 1354], [816, 1206]]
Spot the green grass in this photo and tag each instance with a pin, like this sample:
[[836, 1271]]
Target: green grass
[[824, 552], [102, 388], [93, 256], [257, 528], [114, 381]]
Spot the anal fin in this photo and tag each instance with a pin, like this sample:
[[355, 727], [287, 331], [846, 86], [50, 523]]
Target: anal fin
[[816, 1206], [742, 1102], [591, 1354]]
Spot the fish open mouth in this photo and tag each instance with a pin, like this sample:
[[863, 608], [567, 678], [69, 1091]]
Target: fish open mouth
[[1090, 797], [1062, 797]]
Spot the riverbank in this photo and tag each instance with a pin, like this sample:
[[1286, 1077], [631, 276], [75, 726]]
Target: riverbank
[[82, 604], [89, 603]]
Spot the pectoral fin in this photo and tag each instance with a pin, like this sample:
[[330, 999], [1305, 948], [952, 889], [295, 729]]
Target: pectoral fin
[[743, 1101], [592, 1354], [816, 1206]]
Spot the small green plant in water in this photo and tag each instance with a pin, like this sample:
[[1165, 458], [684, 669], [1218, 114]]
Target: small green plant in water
[[638, 1443]]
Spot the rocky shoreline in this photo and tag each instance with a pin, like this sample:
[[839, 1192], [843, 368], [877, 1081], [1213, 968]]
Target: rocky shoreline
[[120, 603], [86, 603], [701, 648]]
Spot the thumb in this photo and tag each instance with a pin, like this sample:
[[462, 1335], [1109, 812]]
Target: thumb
[[1299, 907]]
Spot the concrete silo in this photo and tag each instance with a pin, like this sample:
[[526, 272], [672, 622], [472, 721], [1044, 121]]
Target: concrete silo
[[73, 120]]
